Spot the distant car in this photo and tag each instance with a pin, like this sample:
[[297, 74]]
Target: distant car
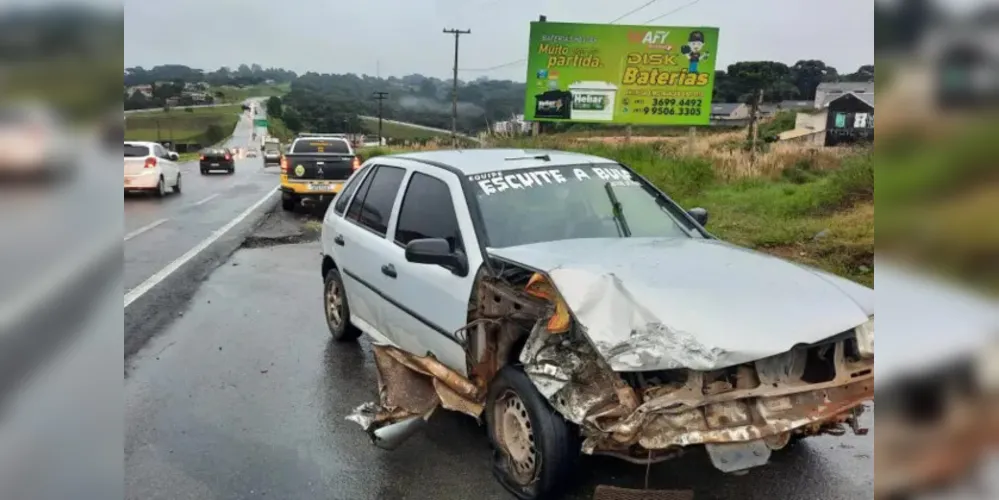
[[151, 168], [250, 153], [33, 142], [217, 159]]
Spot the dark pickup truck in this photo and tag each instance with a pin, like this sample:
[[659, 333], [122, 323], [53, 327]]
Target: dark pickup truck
[[314, 169]]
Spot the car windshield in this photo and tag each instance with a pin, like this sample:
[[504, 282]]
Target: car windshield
[[136, 151], [522, 206]]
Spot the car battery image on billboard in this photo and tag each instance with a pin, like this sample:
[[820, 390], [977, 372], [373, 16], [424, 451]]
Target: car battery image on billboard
[[593, 101], [553, 104]]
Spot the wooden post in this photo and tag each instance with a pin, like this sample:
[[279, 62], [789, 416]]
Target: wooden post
[[627, 134], [757, 99], [691, 139]]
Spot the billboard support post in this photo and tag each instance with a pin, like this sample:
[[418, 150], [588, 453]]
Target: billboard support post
[[454, 85]]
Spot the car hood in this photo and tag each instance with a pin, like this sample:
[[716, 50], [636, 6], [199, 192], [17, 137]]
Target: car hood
[[666, 303]]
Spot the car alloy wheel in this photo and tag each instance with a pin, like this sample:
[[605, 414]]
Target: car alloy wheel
[[334, 304]]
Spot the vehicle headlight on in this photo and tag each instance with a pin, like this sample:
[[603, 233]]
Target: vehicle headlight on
[[865, 338]]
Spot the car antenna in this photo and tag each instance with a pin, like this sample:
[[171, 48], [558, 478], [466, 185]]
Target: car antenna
[[530, 157]]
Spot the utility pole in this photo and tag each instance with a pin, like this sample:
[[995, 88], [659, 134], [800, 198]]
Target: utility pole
[[380, 96], [753, 125], [454, 85]]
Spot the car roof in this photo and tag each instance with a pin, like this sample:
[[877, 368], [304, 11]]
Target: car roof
[[477, 161], [141, 143]]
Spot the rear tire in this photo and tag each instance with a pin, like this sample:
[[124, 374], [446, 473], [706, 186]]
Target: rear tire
[[232, 170], [176, 187], [204, 171], [336, 308], [161, 188], [288, 204], [535, 450]]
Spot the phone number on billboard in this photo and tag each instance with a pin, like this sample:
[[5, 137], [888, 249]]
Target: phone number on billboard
[[655, 110]]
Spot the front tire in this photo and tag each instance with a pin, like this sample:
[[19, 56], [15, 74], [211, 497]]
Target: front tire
[[336, 308], [535, 450]]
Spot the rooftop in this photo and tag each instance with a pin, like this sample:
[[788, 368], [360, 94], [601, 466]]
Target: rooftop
[[479, 161]]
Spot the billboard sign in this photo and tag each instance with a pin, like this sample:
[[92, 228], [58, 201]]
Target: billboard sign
[[608, 73]]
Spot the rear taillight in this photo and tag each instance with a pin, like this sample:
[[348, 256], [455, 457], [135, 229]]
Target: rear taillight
[[150, 163], [227, 157], [284, 165], [357, 163], [202, 157]]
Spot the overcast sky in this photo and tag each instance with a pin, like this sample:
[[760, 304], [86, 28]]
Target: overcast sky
[[400, 37]]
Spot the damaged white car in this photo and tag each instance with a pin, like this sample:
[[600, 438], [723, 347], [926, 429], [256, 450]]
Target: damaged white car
[[574, 307]]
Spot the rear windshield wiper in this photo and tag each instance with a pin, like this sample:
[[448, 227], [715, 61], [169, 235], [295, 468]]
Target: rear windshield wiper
[[618, 211]]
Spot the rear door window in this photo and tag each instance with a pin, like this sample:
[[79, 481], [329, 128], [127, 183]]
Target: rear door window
[[344, 197], [331, 146], [374, 209], [428, 212], [136, 151]]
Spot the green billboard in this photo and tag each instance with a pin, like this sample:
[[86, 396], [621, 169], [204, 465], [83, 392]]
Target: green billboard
[[260, 122], [608, 73]]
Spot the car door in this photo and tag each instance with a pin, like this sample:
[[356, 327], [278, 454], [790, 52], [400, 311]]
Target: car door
[[431, 301], [168, 167], [363, 247]]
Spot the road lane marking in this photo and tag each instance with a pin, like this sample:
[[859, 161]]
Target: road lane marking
[[206, 200], [145, 228], [143, 288]]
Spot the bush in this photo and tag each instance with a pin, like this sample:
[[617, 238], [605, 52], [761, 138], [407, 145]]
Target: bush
[[801, 171], [214, 133]]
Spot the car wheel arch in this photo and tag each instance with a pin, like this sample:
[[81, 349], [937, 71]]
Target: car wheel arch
[[328, 265]]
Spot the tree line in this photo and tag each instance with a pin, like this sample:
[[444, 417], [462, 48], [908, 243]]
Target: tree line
[[333, 103]]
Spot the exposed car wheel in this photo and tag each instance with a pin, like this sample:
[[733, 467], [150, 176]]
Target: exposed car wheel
[[287, 203], [337, 310], [176, 187], [204, 171], [161, 188], [232, 171], [535, 450]]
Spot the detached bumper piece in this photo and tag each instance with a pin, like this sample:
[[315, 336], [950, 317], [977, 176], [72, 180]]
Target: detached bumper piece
[[410, 389]]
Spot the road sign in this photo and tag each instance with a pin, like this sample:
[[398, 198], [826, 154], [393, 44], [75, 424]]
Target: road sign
[[260, 122]]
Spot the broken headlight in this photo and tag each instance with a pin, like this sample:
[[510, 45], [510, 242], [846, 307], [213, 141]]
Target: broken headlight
[[865, 338]]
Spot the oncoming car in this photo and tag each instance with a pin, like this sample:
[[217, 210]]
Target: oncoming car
[[575, 307]]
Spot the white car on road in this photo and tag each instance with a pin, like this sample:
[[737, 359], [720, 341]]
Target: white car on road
[[149, 167], [576, 308]]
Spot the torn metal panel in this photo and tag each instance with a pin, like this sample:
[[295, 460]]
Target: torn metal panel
[[661, 304], [410, 386]]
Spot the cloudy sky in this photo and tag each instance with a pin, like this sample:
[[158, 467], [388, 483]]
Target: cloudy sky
[[399, 37]]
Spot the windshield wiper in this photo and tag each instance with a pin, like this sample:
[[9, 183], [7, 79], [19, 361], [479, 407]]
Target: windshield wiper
[[618, 211]]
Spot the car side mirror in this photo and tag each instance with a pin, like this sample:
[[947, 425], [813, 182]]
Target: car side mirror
[[173, 156], [437, 251], [700, 215]]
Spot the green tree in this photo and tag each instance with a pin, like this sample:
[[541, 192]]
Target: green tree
[[274, 107], [807, 75]]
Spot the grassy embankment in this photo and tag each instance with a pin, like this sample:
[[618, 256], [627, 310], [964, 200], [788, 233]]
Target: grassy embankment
[[236, 95], [181, 125], [395, 132], [814, 206]]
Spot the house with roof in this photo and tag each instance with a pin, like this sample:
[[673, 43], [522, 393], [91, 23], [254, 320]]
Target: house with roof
[[729, 111], [842, 113]]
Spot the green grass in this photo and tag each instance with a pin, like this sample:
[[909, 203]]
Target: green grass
[[277, 128], [237, 94], [400, 132], [180, 125]]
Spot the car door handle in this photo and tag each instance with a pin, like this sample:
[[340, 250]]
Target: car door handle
[[389, 270], [338, 240]]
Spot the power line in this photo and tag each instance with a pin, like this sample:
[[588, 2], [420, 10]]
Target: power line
[[650, 2], [684, 6], [630, 12]]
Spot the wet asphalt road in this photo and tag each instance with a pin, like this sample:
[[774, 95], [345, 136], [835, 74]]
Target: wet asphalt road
[[244, 396], [158, 231]]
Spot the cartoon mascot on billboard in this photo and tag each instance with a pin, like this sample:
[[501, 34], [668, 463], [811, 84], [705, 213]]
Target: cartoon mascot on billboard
[[694, 50]]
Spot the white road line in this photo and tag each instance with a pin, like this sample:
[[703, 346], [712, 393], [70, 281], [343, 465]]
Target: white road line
[[137, 292], [37, 291], [206, 200], [143, 229]]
